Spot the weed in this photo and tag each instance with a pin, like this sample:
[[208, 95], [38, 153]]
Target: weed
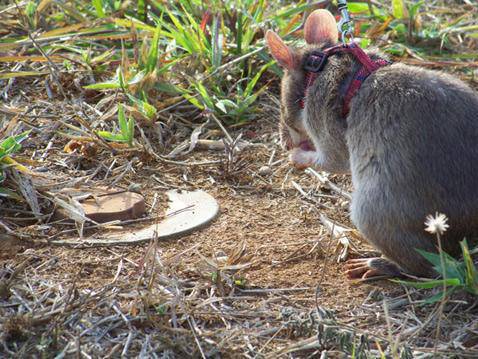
[[8, 147], [456, 274], [126, 129]]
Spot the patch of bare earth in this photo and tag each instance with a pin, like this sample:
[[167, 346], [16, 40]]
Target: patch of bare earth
[[263, 280]]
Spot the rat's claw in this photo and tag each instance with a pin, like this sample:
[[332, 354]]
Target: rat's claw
[[371, 268], [357, 268]]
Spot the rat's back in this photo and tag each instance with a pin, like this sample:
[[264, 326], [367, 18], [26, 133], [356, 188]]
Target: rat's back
[[413, 141]]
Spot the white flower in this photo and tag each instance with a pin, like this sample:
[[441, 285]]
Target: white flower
[[437, 224]]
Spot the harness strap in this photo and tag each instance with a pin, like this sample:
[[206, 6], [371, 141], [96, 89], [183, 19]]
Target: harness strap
[[316, 62]]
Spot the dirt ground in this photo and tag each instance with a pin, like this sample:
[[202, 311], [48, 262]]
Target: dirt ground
[[276, 229], [282, 232], [267, 253]]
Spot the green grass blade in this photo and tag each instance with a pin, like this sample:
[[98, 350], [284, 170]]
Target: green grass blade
[[450, 282], [122, 121], [285, 13], [153, 51], [144, 107], [398, 9], [358, 7], [471, 277], [130, 136], [111, 85], [239, 30], [111, 136], [435, 298], [137, 78], [415, 8], [128, 23], [204, 95], [12, 144], [142, 10], [98, 4], [453, 268], [10, 75], [250, 86], [120, 77], [5, 192]]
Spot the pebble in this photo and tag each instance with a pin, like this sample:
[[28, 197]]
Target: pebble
[[265, 171]]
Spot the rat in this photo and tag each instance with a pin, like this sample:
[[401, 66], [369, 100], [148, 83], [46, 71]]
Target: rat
[[408, 138]]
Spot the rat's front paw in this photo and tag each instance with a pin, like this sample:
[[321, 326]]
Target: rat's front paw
[[301, 159]]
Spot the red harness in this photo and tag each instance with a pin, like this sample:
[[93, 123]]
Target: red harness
[[317, 60]]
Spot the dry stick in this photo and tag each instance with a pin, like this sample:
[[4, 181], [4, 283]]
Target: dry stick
[[312, 341], [338, 232], [51, 66], [423, 325], [119, 268], [127, 343], [271, 158], [325, 181], [277, 331], [122, 257], [6, 228], [396, 342], [8, 8], [306, 196], [273, 290], [389, 327], [293, 257], [223, 129], [10, 82], [305, 344]]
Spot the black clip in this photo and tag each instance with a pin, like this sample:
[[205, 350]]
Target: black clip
[[315, 62]]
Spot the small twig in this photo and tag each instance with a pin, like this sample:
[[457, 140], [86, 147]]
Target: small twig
[[307, 196], [326, 182], [273, 290], [223, 129], [389, 329], [51, 66], [193, 330], [127, 344]]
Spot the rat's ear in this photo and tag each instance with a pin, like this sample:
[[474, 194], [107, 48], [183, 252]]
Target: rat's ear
[[284, 55], [321, 27]]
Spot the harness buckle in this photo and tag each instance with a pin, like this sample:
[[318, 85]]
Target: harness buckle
[[345, 25], [315, 62]]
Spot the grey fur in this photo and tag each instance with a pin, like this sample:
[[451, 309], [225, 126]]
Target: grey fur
[[410, 142]]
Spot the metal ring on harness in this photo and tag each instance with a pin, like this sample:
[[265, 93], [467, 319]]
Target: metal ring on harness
[[345, 25]]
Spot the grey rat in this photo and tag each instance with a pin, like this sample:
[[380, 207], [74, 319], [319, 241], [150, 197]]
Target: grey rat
[[410, 142]]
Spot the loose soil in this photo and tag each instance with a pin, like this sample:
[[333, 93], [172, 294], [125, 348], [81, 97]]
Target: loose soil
[[269, 240], [264, 211]]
